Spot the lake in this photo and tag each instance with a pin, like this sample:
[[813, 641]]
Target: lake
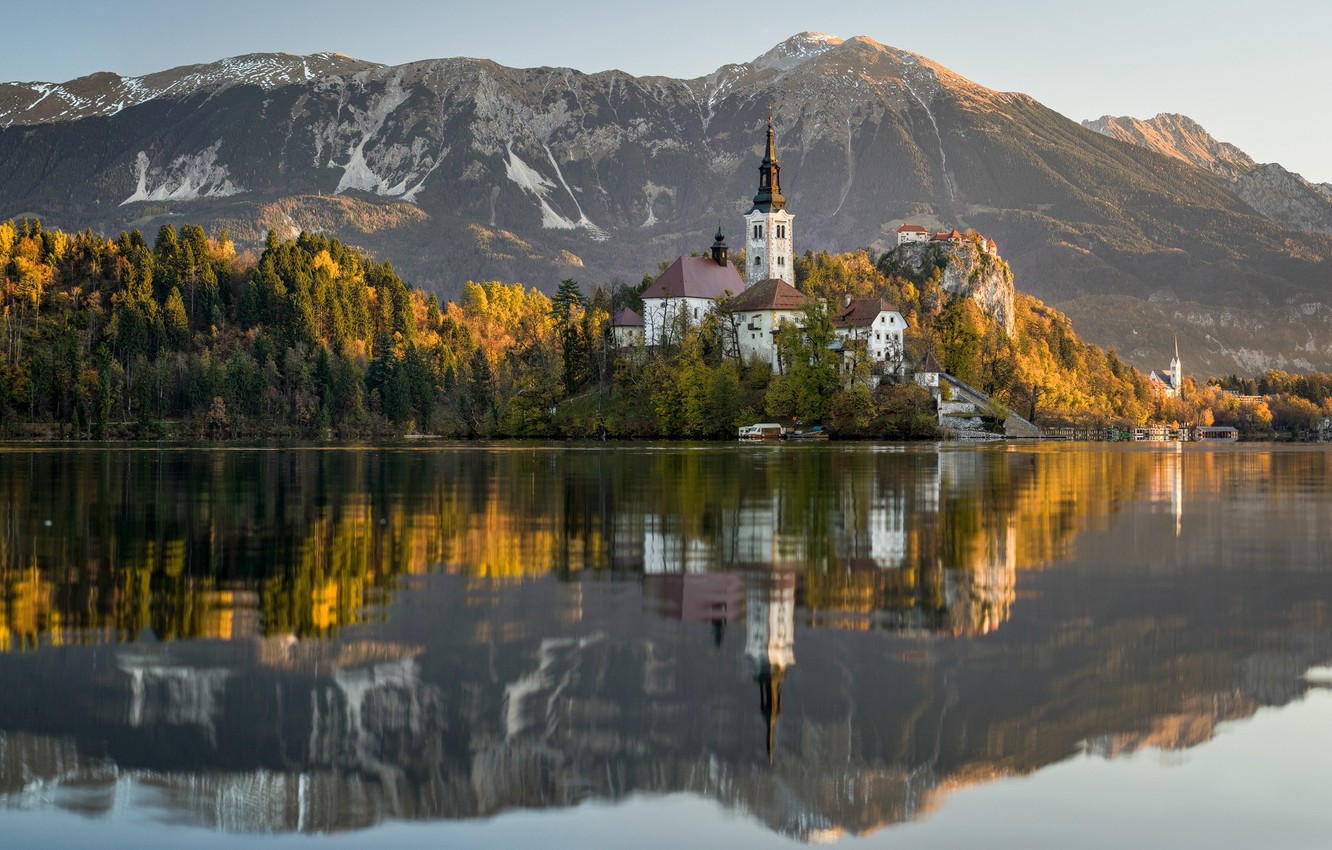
[[569, 645]]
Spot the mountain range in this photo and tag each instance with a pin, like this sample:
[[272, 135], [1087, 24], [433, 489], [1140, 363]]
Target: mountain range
[[459, 169]]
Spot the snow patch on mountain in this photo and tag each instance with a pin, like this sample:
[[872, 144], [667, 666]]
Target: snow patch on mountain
[[531, 181], [653, 191], [538, 186], [187, 178], [796, 50], [357, 173], [104, 93]]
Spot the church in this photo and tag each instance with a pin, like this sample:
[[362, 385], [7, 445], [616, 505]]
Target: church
[[1168, 383], [761, 297]]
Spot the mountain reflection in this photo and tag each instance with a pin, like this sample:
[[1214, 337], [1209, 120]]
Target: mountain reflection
[[828, 638]]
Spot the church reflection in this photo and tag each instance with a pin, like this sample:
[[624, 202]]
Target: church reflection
[[648, 644], [770, 640]]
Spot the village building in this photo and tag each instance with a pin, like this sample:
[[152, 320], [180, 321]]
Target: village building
[[758, 313], [687, 291], [627, 329], [880, 325], [909, 233], [928, 373]]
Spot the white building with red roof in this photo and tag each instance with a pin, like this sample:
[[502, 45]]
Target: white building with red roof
[[758, 313], [881, 326], [686, 291], [627, 329], [908, 233]]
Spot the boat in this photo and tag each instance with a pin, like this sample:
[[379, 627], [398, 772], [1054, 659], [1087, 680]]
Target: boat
[[1215, 434], [813, 434], [761, 432]]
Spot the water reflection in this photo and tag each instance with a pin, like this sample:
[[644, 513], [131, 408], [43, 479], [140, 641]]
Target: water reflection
[[320, 640]]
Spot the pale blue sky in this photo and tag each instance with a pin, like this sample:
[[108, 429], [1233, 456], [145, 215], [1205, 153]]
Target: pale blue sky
[[1253, 74]]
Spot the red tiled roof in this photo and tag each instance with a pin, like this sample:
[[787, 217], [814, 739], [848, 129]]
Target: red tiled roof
[[770, 294], [695, 277], [862, 312], [912, 228], [626, 318], [930, 364]]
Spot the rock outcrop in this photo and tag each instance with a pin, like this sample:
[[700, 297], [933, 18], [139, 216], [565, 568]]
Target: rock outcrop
[[967, 270]]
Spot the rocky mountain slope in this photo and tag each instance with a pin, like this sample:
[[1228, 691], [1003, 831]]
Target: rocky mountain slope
[[1277, 194], [463, 169]]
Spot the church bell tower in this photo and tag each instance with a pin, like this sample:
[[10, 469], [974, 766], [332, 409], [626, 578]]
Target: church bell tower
[[768, 239], [1176, 371]]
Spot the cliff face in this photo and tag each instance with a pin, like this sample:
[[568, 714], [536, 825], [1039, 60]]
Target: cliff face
[[1286, 198], [1178, 137], [970, 271], [1278, 195]]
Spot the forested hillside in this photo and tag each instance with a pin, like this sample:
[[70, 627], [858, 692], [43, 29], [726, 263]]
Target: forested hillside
[[185, 337]]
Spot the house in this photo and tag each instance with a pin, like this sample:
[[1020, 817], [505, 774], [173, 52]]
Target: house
[[909, 233], [759, 311], [687, 289], [929, 372], [880, 325], [627, 329]]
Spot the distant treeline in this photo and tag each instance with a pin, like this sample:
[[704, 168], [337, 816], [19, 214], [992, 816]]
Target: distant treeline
[[310, 338]]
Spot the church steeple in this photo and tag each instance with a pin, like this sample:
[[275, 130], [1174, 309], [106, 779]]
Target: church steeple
[[769, 246], [719, 249], [769, 195], [1176, 369]]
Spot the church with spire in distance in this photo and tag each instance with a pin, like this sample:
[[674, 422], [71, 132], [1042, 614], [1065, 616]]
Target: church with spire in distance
[[1168, 383], [758, 299]]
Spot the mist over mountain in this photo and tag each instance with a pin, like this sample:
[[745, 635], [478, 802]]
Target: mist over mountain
[[460, 169]]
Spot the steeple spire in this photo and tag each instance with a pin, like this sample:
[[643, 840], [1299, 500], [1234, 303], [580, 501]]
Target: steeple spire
[[769, 195], [1176, 369], [719, 250]]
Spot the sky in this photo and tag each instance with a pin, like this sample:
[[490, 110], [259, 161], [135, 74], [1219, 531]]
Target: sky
[[1252, 74]]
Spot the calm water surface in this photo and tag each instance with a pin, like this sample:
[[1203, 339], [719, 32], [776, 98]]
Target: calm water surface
[[519, 645]]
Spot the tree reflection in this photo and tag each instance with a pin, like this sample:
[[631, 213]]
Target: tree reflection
[[570, 624], [117, 544]]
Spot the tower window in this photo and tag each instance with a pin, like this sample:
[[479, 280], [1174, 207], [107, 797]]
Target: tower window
[[781, 261], [758, 231], [758, 261], [781, 231]]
